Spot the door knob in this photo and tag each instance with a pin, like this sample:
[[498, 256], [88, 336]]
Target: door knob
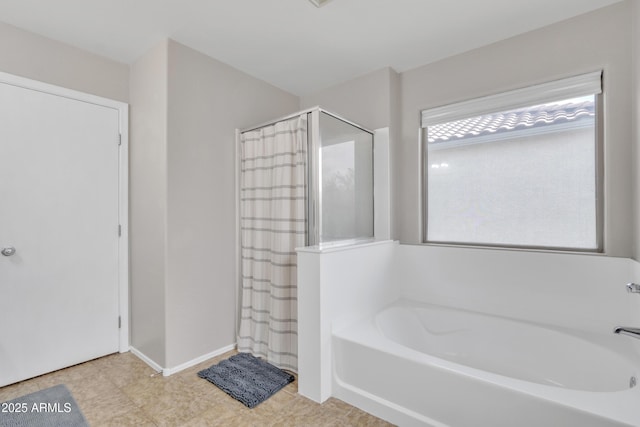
[[8, 251]]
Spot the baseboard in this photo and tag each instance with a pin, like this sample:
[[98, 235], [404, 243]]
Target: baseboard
[[170, 371], [140, 355], [381, 407]]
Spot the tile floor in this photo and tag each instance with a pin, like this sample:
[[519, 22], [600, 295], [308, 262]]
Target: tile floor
[[121, 390]]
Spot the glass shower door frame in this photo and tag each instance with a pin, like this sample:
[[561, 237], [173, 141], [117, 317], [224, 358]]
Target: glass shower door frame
[[314, 204], [313, 193]]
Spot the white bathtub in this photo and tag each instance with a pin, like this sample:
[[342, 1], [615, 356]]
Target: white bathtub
[[418, 364]]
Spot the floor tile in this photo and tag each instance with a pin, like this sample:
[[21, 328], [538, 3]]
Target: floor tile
[[12, 391], [133, 418], [106, 406], [121, 390]]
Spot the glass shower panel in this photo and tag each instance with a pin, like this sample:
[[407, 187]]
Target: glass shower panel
[[346, 178]]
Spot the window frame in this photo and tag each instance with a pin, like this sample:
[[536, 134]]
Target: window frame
[[494, 101]]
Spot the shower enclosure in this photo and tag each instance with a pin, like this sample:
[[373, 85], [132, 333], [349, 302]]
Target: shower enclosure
[[303, 180], [341, 180], [340, 177]]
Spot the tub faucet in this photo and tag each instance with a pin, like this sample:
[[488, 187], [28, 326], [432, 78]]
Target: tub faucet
[[633, 288], [623, 330]]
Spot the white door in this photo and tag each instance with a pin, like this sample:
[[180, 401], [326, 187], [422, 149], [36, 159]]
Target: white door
[[59, 209]]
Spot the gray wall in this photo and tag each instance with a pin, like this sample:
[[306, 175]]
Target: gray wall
[[598, 40], [365, 100], [371, 100], [635, 119], [148, 203], [207, 101], [185, 108], [29, 55]]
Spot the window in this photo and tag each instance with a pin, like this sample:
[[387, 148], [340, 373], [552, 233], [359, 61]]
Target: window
[[518, 169]]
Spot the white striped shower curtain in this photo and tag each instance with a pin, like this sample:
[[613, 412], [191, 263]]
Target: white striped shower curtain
[[273, 222]]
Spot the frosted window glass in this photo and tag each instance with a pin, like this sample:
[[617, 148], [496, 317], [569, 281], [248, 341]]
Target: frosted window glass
[[346, 193], [524, 177]]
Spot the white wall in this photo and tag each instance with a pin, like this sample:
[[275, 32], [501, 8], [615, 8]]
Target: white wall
[[597, 40], [30, 55]]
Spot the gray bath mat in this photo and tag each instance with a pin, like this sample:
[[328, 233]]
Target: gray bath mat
[[52, 407], [247, 378]]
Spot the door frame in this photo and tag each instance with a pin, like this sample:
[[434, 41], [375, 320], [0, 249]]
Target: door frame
[[123, 185]]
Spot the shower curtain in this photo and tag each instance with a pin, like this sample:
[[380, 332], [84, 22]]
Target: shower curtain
[[273, 222]]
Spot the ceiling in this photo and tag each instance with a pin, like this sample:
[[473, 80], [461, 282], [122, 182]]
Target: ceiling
[[291, 43]]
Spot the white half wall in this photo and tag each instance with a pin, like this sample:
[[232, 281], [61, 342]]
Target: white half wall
[[336, 286]]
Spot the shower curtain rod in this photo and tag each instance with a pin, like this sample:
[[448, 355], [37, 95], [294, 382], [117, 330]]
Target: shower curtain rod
[[307, 111]]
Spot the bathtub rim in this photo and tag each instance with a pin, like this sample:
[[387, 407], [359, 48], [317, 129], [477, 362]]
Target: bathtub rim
[[627, 348], [614, 405]]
